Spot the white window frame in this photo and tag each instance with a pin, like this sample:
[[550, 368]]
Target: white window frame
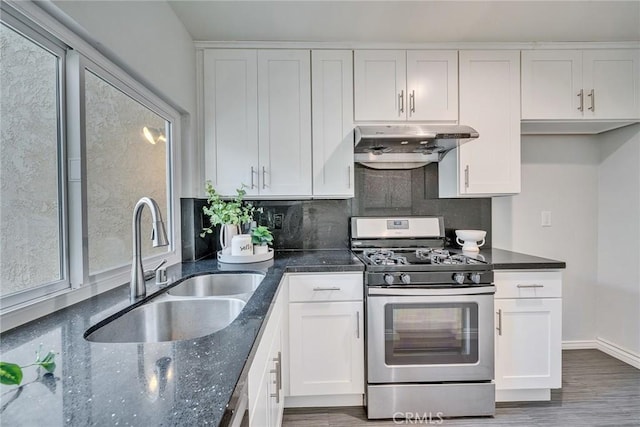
[[27, 30], [77, 66], [80, 55]]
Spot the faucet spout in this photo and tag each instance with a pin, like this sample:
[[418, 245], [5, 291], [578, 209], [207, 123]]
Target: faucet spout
[[158, 236]]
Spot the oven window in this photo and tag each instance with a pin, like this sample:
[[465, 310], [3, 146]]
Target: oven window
[[431, 334]]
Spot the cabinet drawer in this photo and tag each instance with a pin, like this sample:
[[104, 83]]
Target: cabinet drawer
[[325, 287], [528, 284]]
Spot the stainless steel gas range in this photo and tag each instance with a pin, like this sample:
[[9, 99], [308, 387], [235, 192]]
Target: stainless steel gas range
[[429, 328]]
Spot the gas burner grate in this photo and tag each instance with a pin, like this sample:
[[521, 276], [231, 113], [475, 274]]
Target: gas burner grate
[[442, 256], [384, 257]]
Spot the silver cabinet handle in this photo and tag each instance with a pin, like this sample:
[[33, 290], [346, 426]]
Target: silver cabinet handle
[[592, 94], [334, 288], [264, 180], [252, 173], [499, 328], [581, 96], [412, 102], [530, 286], [278, 372], [357, 325], [277, 393], [401, 102], [349, 176], [466, 177]]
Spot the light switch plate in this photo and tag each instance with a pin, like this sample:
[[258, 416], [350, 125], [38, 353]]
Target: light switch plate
[[546, 219]]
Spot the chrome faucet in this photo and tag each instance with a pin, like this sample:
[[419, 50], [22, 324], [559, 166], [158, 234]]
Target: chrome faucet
[[159, 237]]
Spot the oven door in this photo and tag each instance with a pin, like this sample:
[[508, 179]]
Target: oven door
[[430, 335]]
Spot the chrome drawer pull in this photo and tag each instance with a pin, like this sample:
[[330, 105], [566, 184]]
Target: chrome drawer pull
[[499, 328], [327, 289], [530, 286], [581, 96], [357, 325]]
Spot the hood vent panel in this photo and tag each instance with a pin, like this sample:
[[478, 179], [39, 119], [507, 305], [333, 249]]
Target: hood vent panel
[[407, 146]]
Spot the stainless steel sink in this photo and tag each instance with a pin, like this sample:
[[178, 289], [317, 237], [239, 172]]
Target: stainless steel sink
[[170, 321], [217, 285]]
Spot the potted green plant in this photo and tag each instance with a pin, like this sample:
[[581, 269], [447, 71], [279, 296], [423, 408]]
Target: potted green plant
[[229, 214], [261, 237]]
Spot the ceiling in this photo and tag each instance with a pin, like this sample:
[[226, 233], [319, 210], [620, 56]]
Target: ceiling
[[411, 21]]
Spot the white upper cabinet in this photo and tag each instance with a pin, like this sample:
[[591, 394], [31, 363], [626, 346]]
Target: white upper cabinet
[[432, 85], [576, 84], [490, 103], [612, 79], [380, 84], [284, 125], [231, 119], [332, 109], [257, 121], [399, 85]]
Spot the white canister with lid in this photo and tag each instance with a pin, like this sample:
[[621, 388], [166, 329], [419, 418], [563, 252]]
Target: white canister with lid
[[241, 245]]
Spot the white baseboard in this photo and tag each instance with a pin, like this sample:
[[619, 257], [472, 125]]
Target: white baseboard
[[324, 401], [523, 395], [579, 345], [618, 352]]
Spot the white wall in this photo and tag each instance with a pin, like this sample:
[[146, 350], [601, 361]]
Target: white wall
[[618, 292], [149, 40], [560, 175]]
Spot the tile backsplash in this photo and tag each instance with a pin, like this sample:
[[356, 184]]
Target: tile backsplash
[[324, 224]]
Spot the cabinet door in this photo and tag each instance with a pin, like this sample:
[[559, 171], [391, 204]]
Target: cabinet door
[[552, 84], [284, 98], [614, 77], [380, 85], [326, 348], [432, 85], [274, 380], [528, 343], [264, 382], [231, 119], [490, 103], [332, 109]]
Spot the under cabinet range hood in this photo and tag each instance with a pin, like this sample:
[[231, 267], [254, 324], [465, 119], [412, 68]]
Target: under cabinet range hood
[[407, 146]]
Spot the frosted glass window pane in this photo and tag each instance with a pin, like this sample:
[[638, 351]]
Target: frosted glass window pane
[[122, 167], [29, 182]]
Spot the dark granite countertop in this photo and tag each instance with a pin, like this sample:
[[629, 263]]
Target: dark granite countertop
[[507, 260], [187, 382]]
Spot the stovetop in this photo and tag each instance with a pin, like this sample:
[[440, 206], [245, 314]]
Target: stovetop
[[409, 251], [423, 267], [421, 256]]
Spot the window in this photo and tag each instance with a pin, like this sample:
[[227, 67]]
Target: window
[[122, 167], [31, 202], [81, 143]]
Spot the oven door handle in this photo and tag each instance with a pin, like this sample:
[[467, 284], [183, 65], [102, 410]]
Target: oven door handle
[[402, 291]]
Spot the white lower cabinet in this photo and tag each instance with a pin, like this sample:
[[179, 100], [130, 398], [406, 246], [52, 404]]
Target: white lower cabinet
[[528, 339], [326, 339], [266, 400]]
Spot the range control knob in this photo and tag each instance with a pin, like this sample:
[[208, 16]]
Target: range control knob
[[475, 278], [405, 278], [388, 279], [458, 278]]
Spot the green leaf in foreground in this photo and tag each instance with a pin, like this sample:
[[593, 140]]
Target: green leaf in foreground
[[10, 373]]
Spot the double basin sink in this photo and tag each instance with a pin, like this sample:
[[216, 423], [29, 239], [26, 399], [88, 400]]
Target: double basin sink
[[193, 308]]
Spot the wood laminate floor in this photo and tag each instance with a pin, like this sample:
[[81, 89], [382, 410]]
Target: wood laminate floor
[[597, 390]]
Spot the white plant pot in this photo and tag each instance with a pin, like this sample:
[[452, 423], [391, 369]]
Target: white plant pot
[[260, 249], [227, 231]]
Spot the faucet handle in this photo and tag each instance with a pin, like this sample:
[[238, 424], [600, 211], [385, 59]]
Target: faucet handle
[[148, 274]]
